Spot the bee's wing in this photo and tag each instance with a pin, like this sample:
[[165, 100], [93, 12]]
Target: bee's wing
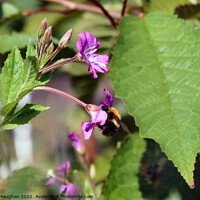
[[124, 127]]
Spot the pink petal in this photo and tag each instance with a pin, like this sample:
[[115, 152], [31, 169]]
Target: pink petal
[[62, 188], [87, 129], [101, 117], [51, 181], [73, 190]]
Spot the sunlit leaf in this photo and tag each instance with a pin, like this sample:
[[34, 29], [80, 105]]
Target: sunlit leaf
[[158, 77], [12, 77], [23, 116]]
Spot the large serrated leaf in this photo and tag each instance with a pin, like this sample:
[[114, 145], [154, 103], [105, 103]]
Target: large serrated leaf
[[156, 71], [122, 182], [12, 77], [23, 116]]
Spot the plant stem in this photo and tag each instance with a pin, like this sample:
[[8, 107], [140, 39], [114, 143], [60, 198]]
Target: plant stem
[[64, 94], [105, 12], [56, 65], [92, 183], [124, 8], [72, 5], [54, 54], [42, 52]]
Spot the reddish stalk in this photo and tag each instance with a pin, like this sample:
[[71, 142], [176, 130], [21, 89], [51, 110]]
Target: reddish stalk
[[124, 8], [56, 65], [55, 53], [64, 94], [105, 12], [92, 183], [42, 52]]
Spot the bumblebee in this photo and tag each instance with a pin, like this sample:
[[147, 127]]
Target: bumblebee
[[113, 122]]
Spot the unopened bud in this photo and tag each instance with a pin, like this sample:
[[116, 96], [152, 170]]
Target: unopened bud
[[92, 171], [50, 48], [65, 39], [47, 35], [42, 28], [77, 142]]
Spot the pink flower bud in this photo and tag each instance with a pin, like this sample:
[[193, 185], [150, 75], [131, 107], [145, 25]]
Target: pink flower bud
[[47, 35], [50, 48], [42, 28], [65, 39], [77, 142]]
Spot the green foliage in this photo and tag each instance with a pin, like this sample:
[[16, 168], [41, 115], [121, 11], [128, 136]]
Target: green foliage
[[23, 116], [12, 77], [18, 78], [166, 6], [7, 41], [157, 76], [122, 180]]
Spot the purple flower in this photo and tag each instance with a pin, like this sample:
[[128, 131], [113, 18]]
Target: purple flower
[[60, 174], [87, 46], [98, 115], [77, 142]]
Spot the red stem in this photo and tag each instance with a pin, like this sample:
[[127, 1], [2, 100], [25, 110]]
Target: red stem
[[54, 66], [124, 8], [53, 90], [42, 52], [105, 12], [55, 53]]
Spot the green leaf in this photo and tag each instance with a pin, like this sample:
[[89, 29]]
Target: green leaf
[[122, 182], [166, 6], [32, 68], [12, 77], [157, 75], [8, 41], [23, 116], [30, 49]]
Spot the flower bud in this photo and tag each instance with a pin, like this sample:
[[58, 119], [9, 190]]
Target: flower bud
[[50, 48], [42, 28], [47, 35], [77, 142], [65, 39]]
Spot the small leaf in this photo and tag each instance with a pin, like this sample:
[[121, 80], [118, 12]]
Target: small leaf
[[157, 75], [12, 77], [32, 69], [30, 49], [23, 116], [122, 182]]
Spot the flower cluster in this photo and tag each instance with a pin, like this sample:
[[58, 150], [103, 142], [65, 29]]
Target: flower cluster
[[61, 176], [87, 46]]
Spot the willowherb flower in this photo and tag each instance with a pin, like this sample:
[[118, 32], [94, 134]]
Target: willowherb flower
[[77, 142], [104, 116], [60, 175], [87, 46], [100, 116]]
